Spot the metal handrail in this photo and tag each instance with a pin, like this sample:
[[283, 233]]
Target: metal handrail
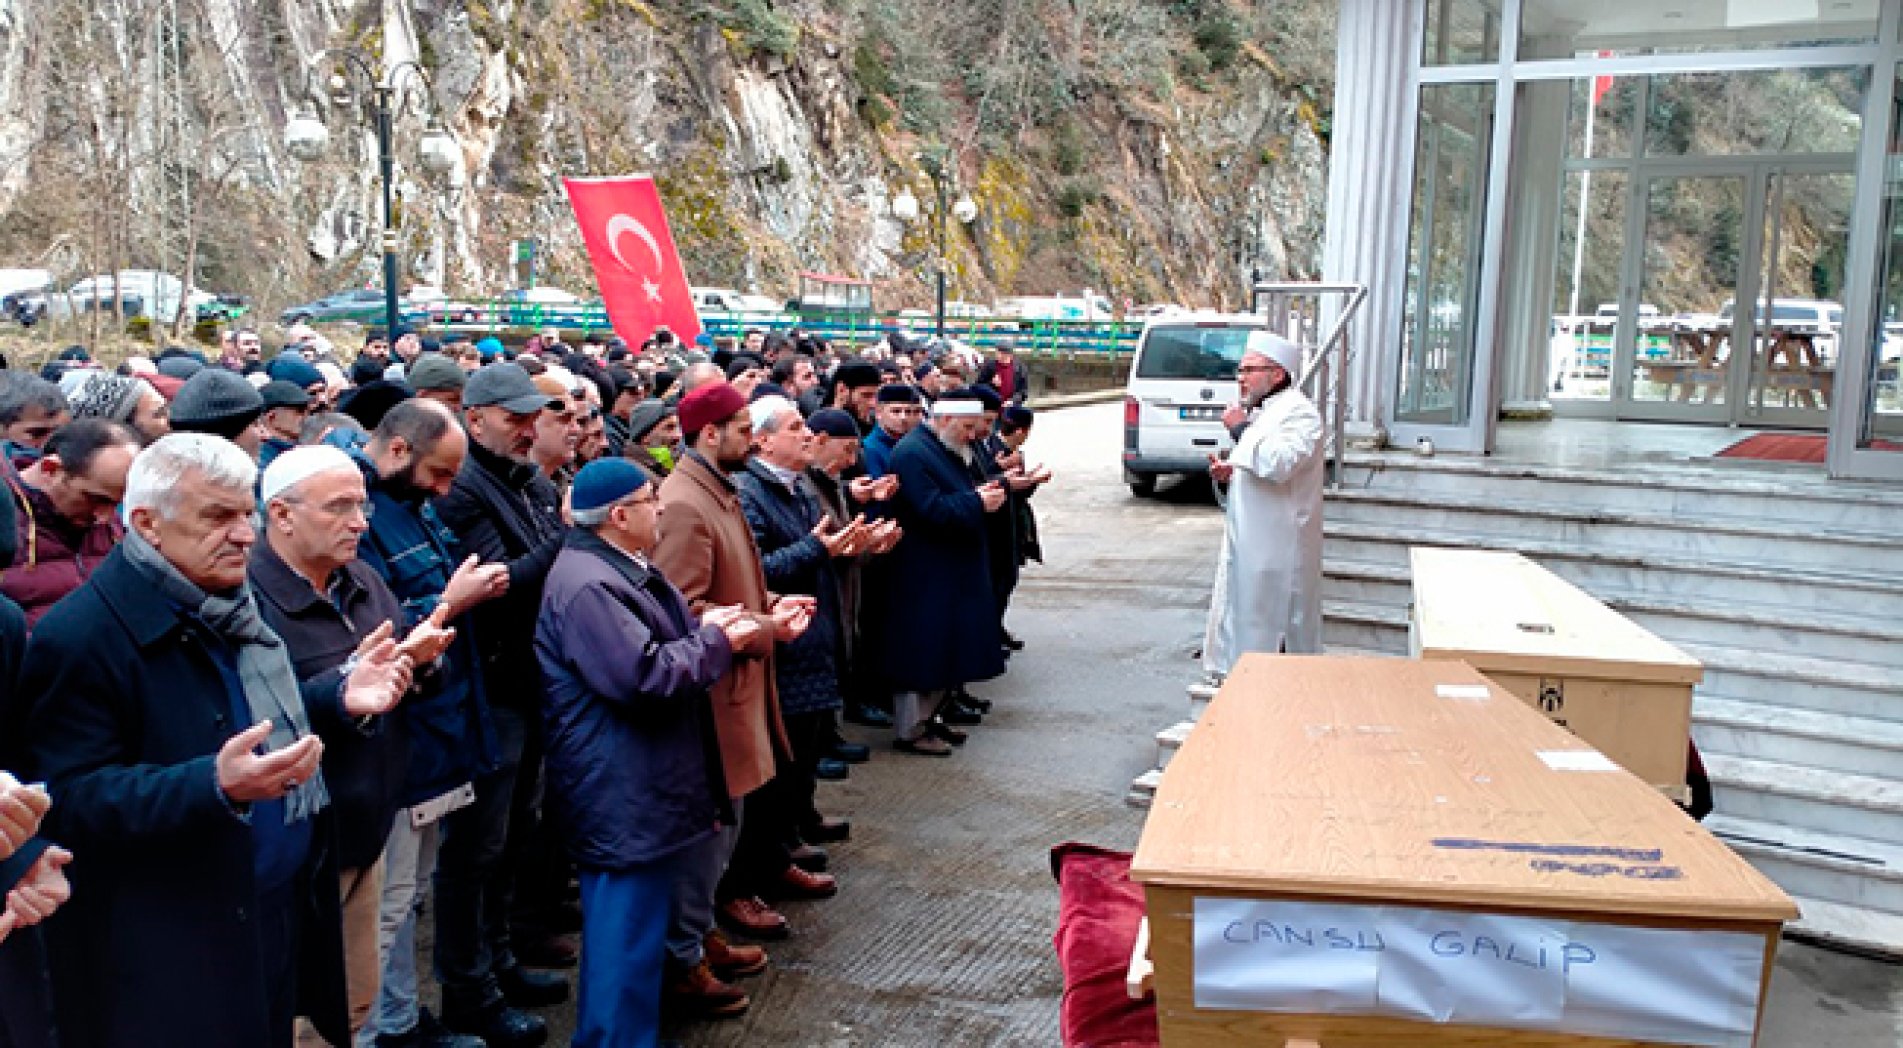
[[1294, 310]]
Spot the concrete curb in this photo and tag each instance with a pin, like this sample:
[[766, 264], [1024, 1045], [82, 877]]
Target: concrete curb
[[1071, 400]]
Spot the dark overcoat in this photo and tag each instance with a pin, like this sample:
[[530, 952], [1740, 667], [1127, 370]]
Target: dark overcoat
[[937, 619], [161, 943], [795, 561], [630, 727]]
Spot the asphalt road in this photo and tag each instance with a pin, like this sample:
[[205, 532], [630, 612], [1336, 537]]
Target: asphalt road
[[941, 934]]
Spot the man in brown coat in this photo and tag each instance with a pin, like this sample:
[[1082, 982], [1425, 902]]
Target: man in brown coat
[[706, 550]]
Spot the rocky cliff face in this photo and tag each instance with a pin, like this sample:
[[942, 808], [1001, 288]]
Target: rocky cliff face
[[1151, 149]]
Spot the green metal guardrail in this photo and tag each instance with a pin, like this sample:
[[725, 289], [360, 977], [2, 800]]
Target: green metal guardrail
[[848, 329]]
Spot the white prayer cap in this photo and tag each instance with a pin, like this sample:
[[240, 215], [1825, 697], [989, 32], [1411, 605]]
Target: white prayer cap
[[297, 465], [1278, 349], [258, 379], [141, 366], [768, 408], [952, 405], [333, 375]]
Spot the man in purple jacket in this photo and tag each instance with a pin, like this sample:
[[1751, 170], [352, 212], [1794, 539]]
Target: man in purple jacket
[[626, 670]]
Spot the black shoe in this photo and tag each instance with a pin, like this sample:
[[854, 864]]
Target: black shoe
[[528, 988], [870, 716], [831, 770], [971, 702], [499, 1026], [1010, 640], [810, 858], [826, 831], [428, 1033], [852, 752], [944, 732], [952, 713]]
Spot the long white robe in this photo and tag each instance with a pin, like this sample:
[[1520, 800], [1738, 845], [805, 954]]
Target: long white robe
[[1268, 577]]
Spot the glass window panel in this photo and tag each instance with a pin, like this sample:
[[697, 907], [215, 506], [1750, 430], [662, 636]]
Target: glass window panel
[[1805, 246], [1586, 285], [1568, 29], [1461, 32], [1731, 114], [1445, 233], [1883, 409], [1599, 121], [1694, 241]]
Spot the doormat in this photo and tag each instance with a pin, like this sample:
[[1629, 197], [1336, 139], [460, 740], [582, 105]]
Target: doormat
[[1791, 447]]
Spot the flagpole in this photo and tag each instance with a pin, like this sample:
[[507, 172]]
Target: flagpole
[[1585, 197]]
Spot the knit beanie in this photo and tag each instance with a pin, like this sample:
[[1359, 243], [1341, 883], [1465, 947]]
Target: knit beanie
[[113, 397], [216, 401]]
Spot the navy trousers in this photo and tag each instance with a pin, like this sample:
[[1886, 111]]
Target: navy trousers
[[624, 918]]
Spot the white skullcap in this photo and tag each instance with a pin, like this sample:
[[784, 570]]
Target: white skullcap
[[958, 407], [1278, 349], [258, 379], [333, 375], [141, 366], [766, 409], [297, 465], [562, 375]]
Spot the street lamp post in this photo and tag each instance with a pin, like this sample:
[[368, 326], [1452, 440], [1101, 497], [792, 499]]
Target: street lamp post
[[905, 208], [306, 137]]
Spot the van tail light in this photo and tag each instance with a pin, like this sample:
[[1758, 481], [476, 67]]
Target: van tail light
[[1131, 409]]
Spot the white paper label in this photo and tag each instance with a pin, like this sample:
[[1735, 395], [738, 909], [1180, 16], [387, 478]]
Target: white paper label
[[1577, 760], [1462, 691], [1650, 984]]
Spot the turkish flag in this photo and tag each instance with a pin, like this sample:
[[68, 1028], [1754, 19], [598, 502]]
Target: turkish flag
[[632, 250]]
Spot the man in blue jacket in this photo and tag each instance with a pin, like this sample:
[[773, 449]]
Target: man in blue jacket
[[626, 671], [412, 457], [898, 413]]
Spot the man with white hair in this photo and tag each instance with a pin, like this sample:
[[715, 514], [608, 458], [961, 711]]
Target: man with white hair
[[1268, 593], [325, 604], [168, 720]]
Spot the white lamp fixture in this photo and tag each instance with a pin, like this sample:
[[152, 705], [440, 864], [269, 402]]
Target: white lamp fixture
[[439, 152], [305, 136], [905, 206]]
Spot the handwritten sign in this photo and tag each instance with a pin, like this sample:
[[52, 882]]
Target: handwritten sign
[[1447, 966]]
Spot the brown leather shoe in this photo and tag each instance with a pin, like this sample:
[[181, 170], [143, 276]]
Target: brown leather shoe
[[795, 883], [732, 962], [698, 993], [754, 919]]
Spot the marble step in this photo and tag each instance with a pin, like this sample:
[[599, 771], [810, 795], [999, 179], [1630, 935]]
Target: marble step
[[1848, 871], [1858, 929], [1759, 731], [1873, 594], [1143, 788], [1829, 686], [1171, 739], [1796, 496], [1829, 803], [1840, 634], [1777, 544]]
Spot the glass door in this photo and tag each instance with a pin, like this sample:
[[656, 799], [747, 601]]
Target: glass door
[[1798, 322], [1674, 352]]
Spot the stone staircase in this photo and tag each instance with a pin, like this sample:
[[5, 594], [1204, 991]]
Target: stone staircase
[[1787, 586]]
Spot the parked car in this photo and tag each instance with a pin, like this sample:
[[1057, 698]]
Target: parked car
[[536, 306], [139, 292], [23, 294], [1182, 377], [363, 305], [442, 309], [1820, 319], [727, 300]]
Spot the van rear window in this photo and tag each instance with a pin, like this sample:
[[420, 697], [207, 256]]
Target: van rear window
[[1192, 352]]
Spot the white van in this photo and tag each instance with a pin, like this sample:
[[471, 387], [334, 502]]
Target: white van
[[1183, 376]]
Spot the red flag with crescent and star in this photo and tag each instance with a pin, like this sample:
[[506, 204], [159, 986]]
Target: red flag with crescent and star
[[632, 249]]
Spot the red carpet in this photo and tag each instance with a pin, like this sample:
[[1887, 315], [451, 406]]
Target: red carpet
[[1791, 447]]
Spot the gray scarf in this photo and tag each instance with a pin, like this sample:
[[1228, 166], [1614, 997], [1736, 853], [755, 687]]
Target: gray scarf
[[264, 665]]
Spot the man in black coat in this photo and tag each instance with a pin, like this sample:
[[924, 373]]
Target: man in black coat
[[26, 862], [325, 604], [169, 724], [937, 619], [503, 510]]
